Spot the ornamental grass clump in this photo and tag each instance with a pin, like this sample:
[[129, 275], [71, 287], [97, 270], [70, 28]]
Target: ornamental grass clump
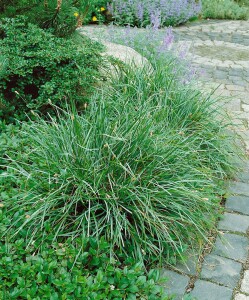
[[141, 168]]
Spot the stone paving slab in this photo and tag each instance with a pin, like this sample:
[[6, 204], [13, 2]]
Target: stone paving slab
[[189, 267], [244, 175], [241, 297], [234, 222], [245, 283], [238, 203], [176, 284], [205, 290], [221, 270], [232, 246], [239, 188]]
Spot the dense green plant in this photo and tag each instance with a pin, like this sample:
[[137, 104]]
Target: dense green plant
[[38, 68], [53, 272], [243, 2], [96, 11], [60, 16], [220, 9], [57, 15], [141, 168]]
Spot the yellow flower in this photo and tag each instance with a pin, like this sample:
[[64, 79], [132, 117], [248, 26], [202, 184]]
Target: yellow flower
[[102, 8], [94, 18], [76, 14]]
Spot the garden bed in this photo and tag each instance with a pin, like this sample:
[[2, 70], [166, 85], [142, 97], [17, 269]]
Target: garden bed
[[100, 178]]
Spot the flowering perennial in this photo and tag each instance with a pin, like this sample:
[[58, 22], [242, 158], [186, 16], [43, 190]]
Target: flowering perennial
[[156, 13]]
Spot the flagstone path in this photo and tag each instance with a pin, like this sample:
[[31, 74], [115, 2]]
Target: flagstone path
[[221, 49]]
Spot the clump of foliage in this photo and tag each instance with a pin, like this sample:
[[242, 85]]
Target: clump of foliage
[[38, 68], [68, 269], [53, 272], [156, 13], [220, 9], [141, 168], [61, 17]]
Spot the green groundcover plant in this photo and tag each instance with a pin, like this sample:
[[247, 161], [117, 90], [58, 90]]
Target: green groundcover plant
[[54, 274], [38, 68], [224, 9], [141, 168]]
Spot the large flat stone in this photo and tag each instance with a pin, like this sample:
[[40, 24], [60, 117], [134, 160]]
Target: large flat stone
[[245, 282], [239, 188], [232, 246], [238, 203], [234, 222], [189, 267], [244, 175], [124, 53], [241, 297], [205, 290], [221, 270], [176, 284]]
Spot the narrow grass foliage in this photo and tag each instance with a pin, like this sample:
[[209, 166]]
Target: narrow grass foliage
[[140, 167]]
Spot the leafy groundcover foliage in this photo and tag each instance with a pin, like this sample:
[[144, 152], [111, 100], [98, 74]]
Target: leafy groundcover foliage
[[38, 68]]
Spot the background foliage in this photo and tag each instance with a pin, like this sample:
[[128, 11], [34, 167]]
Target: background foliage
[[38, 68], [225, 9]]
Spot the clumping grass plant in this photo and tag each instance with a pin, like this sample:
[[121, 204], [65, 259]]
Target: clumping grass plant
[[142, 167]]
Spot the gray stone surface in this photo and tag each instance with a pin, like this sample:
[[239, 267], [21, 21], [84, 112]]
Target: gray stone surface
[[244, 175], [221, 270], [238, 203], [126, 54], [176, 283], [240, 188], [232, 246], [189, 267], [245, 282], [205, 290], [241, 297], [234, 222]]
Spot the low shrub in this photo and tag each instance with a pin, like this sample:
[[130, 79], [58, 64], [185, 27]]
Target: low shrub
[[156, 13], [60, 17], [220, 9], [141, 168], [38, 68]]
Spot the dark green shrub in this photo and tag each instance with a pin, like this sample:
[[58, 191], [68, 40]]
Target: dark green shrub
[[62, 17], [38, 68], [55, 15]]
